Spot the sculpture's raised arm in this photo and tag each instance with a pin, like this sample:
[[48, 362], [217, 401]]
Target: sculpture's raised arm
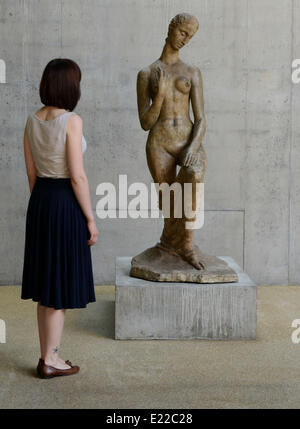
[[149, 113]]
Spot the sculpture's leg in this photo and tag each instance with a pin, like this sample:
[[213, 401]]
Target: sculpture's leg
[[176, 237]]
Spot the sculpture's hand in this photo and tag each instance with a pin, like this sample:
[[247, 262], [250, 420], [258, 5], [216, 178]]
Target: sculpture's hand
[[189, 157], [162, 79]]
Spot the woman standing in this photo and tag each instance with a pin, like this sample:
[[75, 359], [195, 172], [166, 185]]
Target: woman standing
[[60, 225]]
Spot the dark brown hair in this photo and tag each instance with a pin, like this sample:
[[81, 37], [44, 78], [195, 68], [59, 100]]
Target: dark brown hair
[[60, 84]]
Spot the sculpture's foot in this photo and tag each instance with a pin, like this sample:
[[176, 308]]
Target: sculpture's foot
[[191, 256], [163, 264]]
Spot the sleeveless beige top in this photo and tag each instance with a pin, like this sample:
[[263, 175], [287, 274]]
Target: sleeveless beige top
[[47, 140]]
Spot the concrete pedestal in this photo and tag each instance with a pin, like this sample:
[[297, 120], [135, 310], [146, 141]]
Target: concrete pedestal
[[158, 310]]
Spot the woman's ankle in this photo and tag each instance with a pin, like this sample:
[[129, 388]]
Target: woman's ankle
[[51, 357], [50, 360]]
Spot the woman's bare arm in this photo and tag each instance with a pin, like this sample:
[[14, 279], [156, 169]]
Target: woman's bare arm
[[29, 161], [75, 163], [78, 177]]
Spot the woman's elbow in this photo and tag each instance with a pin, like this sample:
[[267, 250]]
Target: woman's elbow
[[31, 175], [78, 178]]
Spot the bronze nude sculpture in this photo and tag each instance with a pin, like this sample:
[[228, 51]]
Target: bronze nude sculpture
[[165, 91]]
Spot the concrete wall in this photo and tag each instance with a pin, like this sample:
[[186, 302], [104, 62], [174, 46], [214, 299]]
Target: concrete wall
[[244, 48]]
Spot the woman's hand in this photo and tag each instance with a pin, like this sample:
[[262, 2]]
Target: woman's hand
[[93, 232]]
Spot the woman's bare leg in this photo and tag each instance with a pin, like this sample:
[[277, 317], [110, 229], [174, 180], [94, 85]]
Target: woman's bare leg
[[41, 330], [51, 323]]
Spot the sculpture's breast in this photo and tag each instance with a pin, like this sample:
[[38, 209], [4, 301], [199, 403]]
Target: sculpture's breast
[[183, 84]]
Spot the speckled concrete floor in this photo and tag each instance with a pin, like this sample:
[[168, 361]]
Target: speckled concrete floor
[[152, 374]]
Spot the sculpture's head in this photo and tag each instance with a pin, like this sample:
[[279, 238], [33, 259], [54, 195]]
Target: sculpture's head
[[181, 29]]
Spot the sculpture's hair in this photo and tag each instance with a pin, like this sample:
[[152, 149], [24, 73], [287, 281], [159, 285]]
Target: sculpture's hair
[[180, 19]]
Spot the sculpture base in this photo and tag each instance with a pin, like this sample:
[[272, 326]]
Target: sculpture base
[[158, 265], [149, 310]]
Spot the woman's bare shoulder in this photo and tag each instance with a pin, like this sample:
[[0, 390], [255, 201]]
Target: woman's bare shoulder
[[74, 125], [74, 121]]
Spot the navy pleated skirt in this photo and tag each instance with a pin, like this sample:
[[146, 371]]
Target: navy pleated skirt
[[57, 270]]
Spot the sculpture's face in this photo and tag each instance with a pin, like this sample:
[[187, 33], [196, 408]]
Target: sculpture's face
[[181, 34]]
